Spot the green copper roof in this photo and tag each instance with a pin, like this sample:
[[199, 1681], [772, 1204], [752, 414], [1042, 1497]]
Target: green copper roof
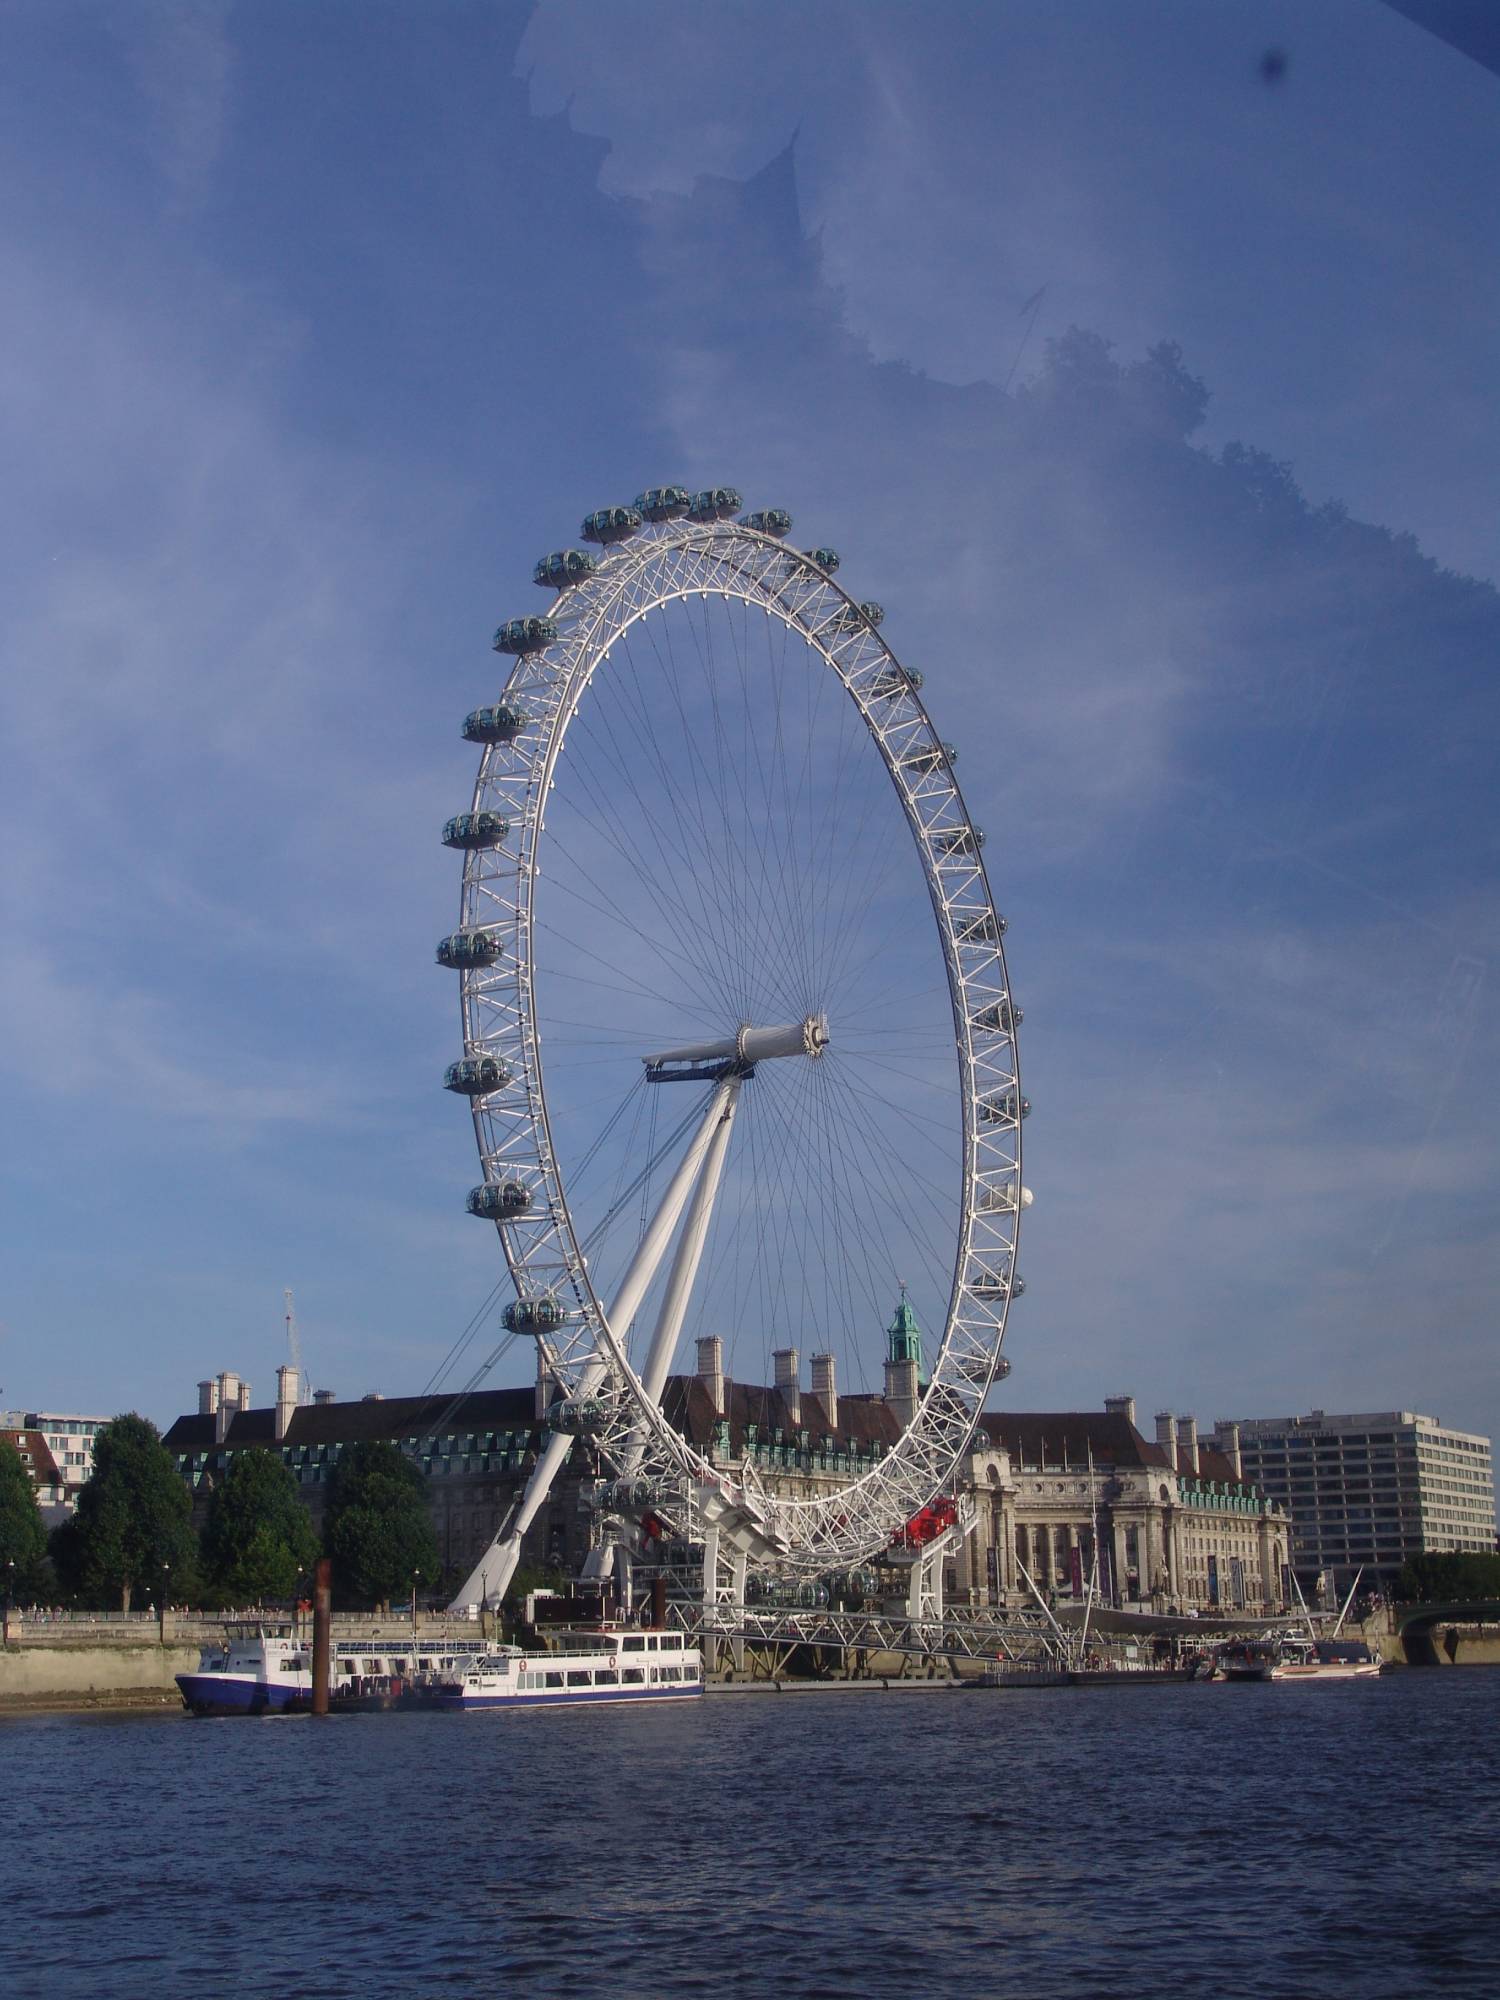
[[904, 1335]]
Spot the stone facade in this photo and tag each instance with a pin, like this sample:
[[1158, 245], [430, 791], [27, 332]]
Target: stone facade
[[1177, 1529]]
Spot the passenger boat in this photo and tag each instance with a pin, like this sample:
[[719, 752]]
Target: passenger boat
[[1326, 1660], [256, 1669], [1297, 1660], [263, 1667], [590, 1666]]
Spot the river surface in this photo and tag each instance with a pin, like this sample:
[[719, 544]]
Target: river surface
[[1225, 1841]]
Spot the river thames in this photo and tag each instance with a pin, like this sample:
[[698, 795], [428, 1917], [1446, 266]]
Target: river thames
[[1186, 1840]]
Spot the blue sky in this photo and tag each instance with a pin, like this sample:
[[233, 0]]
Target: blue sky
[[322, 323]]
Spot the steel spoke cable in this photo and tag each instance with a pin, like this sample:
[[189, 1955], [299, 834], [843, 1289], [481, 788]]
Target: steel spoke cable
[[723, 896], [649, 733], [666, 872]]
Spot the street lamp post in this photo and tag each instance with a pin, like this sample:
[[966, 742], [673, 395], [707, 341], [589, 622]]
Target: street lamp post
[[416, 1578], [166, 1581]]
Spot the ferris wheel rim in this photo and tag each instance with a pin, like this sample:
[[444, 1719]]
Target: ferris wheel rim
[[666, 563]]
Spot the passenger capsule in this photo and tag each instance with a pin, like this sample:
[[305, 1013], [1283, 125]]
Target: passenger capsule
[[607, 525], [1001, 1109], [662, 503], [542, 1315], [894, 680], [983, 929], [563, 567], [499, 1201], [931, 757], [996, 1284], [1000, 1019], [825, 558], [714, 503], [524, 635], [495, 725], [768, 521], [476, 1076], [960, 840], [467, 951], [874, 613], [475, 831], [1004, 1199]]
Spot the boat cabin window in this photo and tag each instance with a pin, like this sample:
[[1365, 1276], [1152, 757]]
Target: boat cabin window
[[635, 1645], [553, 1680], [606, 1677], [581, 1678], [633, 1676], [652, 1643]]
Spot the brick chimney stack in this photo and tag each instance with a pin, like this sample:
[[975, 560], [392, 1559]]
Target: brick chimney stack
[[1227, 1440], [789, 1381], [1187, 1447], [711, 1369], [825, 1387], [288, 1395]]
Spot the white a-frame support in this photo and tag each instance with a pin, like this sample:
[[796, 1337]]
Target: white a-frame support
[[698, 1176]]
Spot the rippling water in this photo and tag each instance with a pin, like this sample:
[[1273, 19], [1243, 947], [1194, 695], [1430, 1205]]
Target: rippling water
[[1224, 1841]]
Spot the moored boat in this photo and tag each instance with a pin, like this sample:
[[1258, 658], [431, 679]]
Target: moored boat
[[592, 1666], [1326, 1660], [1297, 1660], [264, 1667]]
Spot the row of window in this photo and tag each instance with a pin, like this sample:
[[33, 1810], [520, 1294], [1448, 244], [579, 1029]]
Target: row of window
[[585, 1677]]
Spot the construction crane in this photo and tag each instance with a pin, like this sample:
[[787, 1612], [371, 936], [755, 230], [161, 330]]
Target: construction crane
[[294, 1349]]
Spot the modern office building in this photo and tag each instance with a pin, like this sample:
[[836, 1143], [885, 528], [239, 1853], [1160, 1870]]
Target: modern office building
[[42, 1469], [69, 1439], [1370, 1491]]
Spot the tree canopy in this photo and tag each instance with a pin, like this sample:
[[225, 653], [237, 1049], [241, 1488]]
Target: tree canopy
[[1452, 1578], [377, 1529], [23, 1539], [257, 1538], [132, 1534]]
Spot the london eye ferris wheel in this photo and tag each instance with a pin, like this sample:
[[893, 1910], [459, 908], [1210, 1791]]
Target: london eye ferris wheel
[[738, 1036]]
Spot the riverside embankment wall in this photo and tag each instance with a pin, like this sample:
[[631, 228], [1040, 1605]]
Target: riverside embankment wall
[[113, 1667]]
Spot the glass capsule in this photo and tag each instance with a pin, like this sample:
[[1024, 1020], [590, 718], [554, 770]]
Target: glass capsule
[[474, 831], [714, 503], [563, 567], [662, 503], [524, 635], [607, 525], [495, 725], [464, 951]]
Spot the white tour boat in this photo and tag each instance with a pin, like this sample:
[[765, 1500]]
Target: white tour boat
[[587, 1667], [264, 1667], [1297, 1660]]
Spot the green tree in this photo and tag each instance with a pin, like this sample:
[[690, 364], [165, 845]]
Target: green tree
[[23, 1539], [257, 1538], [1451, 1578], [132, 1533], [377, 1529]]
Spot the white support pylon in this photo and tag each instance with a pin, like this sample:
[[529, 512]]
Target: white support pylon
[[490, 1578]]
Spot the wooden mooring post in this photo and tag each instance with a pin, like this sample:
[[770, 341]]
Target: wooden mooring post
[[322, 1634]]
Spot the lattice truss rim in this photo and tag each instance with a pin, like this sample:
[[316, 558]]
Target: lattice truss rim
[[662, 564]]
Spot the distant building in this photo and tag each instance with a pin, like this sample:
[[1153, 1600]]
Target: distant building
[[1372, 1491], [44, 1472], [1177, 1524], [475, 1450], [69, 1440]]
